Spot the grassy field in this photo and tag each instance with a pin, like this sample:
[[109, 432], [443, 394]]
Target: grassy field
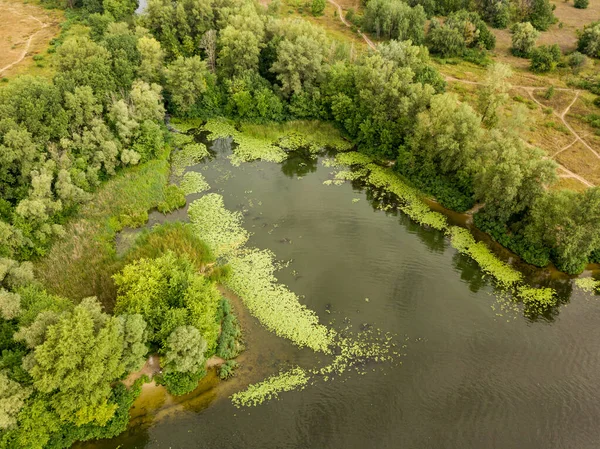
[[82, 262], [25, 32]]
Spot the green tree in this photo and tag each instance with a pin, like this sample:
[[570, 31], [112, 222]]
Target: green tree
[[567, 222], [120, 9], [241, 42], [395, 19], [512, 175], [524, 36], [151, 59], [541, 14], [184, 351], [589, 40], [494, 92], [79, 358], [185, 82], [545, 58], [10, 304], [445, 41], [448, 134], [300, 54], [12, 400], [581, 4]]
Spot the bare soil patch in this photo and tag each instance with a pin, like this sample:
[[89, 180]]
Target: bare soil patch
[[25, 30], [580, 160]]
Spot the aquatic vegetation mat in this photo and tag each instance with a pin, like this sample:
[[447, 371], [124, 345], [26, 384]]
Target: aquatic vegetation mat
[[268, 389], [188, 155], [193, 182]]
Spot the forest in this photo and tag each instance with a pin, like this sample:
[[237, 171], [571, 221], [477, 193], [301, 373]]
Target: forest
[[118, 73]]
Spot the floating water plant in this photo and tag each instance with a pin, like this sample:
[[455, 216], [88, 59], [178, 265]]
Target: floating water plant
[[193, 182], [463, 241], [270, 388], [537, 300], [219, 228], [276, 307], [589, 285], [188, 155]]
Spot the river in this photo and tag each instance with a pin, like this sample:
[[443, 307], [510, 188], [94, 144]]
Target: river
[[475, 373]]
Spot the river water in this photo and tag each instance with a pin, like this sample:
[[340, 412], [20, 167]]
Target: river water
[[474, 372]]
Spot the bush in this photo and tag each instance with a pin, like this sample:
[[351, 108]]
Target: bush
[[317, 8], [174, 199], [445, 41], [179, 384], [229, 346], [549, 93], [576, 61], [545, 58], [589, 40], [524, 36], [581, 4], [226, 370]]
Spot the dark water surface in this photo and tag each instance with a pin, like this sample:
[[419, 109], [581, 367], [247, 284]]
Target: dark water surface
[[476, 373]]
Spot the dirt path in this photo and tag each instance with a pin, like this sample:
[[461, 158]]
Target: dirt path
[[27, 45], [345, 22], [530, 91]]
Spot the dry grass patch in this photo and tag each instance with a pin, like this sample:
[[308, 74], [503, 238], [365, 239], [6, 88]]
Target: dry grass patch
[[25, 30], [560, 100], [581, 161], [569, 184]]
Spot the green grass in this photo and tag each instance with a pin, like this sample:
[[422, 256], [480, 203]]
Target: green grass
[[81, 263]]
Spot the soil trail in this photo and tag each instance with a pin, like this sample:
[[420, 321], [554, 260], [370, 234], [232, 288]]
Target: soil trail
[[345, 22], [27, 45]]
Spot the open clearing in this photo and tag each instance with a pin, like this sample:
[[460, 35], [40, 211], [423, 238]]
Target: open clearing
[[25, 30]]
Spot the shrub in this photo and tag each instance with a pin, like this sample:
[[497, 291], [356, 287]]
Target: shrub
[[589, 40], [524, 36], [581, 4], [179, 384], [228, 346], [576, 60], [317, 8], [226, 370], [174, 199], [545, 58], [549, 93]]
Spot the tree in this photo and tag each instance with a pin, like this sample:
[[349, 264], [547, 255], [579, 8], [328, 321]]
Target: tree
[[512, 175], [10, 304], [545, 58], [82, 62], [120, 9], [151, 59], [241, 42], [494, 92], [524, 36], [395, 19], [79, 358], [581, 4], [447, 134], [445, 41], [567, 222], [12, 400], [184, 351], [317, 7], [185, 82], [541, 14], [209, 45], [300, 54], [589, 40], [135, 335]]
